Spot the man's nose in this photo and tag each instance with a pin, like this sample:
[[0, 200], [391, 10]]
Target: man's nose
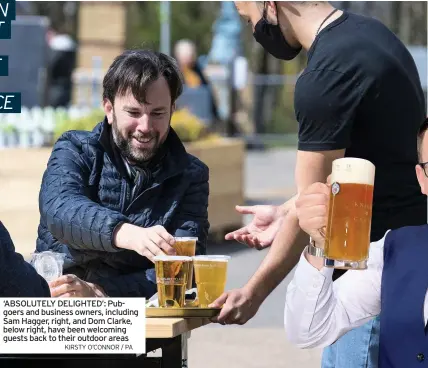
[[144, 124]]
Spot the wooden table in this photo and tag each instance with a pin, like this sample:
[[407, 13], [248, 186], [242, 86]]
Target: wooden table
[[170, 335]]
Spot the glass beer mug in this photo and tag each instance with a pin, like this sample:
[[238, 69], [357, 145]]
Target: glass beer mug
[[347, 237]]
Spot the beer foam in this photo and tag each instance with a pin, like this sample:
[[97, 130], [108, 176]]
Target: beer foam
[[185, 238], [213, 258], [353, 170], [171, 258]]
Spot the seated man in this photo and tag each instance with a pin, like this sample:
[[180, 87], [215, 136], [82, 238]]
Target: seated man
[[113, 198], [319, 311], [18, 279]]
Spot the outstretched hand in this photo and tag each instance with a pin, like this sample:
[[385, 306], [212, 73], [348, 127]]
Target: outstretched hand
[[261, 231]]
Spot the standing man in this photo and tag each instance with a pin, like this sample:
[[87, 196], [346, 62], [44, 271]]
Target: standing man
[[61, 63], [113, 198], [359, 96]]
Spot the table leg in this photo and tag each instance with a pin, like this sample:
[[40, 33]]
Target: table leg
[[174, 354]]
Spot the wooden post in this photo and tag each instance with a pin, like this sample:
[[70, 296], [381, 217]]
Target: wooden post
[[101, 33]]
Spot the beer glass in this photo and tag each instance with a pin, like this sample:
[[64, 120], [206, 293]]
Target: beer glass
[[186, 246], [210, 277], [347, 237], [48, 264], [172, 273]]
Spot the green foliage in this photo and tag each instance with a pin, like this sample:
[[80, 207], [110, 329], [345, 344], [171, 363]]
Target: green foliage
[[189, 19], [188, 127], [88, 122]]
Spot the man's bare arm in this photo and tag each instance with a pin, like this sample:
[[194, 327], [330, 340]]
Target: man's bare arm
[[240, 305], [290, 241]]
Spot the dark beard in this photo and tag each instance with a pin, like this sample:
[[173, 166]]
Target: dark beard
[[133, 155]]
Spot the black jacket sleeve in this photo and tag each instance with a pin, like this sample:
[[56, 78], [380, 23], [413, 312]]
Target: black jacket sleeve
[[18, 279], [70, 215]]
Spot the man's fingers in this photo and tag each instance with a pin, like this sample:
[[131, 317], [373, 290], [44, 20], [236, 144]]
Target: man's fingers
[[312, 199], [233, 317], [68, 295], [64, 279], [224, 313], [219, 303], [317, 188], [251, 241], [149, 249], [246, 210], [243, 239], [312, 211], [160, 244], [314, 224], [241, 231], [165, 234], [65, 288]]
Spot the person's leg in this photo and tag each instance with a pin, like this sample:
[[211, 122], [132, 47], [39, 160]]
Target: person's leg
[[358, 348]]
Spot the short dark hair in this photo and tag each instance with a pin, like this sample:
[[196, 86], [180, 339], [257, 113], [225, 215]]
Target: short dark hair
[[421, 133], [135, 70]]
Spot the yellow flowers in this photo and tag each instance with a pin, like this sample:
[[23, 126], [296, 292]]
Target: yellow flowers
[[188, 126]]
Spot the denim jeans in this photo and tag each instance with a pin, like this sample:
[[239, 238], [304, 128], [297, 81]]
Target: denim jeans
[[359, 348]]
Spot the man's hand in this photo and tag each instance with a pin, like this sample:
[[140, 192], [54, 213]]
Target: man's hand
[[312, 211], [262, 230], [237, 307], [70, 286], [149, 242]]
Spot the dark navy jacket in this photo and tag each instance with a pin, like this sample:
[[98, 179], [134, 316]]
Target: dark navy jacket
[[403, 336], [18, 279], [86, 194]]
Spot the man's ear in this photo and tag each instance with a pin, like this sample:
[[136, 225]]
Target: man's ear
[[272, 12], [108, 110], [173, 108], [420, 174]]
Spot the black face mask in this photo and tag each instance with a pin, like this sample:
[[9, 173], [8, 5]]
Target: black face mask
[[270, 37]]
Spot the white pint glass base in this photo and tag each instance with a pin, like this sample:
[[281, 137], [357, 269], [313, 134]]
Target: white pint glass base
[[345, 265]]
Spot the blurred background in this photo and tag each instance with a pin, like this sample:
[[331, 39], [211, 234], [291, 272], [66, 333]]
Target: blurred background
[[236, 114]]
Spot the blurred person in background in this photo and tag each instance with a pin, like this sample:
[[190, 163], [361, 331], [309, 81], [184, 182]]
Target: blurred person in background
[[113, 198], [360, 95], [61, 63], [18, 278], [186, 55]]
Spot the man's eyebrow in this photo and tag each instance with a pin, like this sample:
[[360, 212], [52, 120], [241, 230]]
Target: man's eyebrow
[[160, 108], [134, 108]]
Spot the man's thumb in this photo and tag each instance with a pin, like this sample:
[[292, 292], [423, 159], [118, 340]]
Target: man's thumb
[[218, 303]]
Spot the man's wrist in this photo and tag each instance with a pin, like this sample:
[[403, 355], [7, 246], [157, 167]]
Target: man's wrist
[[122, 237], [256, 293]]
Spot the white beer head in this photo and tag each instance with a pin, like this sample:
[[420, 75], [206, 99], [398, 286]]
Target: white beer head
[[185, 238], [211, 258], [353, 170]]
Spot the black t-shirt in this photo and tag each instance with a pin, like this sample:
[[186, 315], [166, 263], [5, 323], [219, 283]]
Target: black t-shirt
[[361, 92]]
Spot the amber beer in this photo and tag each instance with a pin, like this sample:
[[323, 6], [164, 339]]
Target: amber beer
[[186, 246], [172, 273], [350, 213], [210, 277]]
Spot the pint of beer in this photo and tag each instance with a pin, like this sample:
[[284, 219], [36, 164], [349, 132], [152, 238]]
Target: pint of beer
[[210, 277], [172, 273], [350, 213], [186, 246]]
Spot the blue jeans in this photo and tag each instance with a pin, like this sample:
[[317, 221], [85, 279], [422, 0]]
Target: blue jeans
[[359, 348]]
